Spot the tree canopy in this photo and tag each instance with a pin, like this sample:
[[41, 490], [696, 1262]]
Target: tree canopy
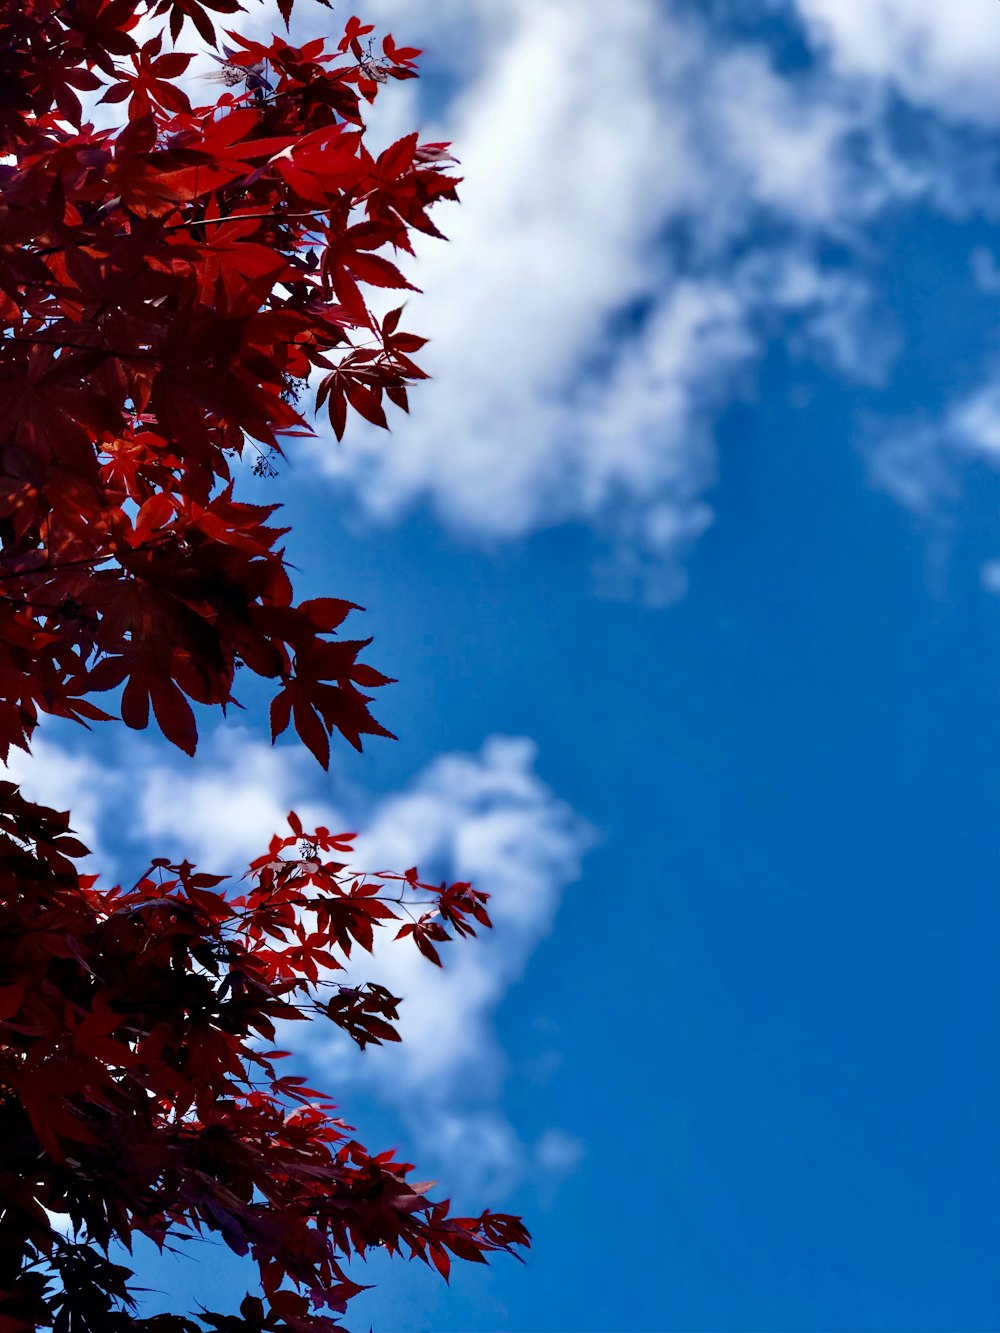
[[170, 290]]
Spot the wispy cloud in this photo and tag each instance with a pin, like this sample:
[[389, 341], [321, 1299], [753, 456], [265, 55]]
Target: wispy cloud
[[650, 203], [486, 818], [941, 56], [68, 779], [923, 463], [653, 199], [626, 175], [914, 463]]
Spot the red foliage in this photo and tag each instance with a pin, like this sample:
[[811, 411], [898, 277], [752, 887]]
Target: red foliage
[[167, 288]]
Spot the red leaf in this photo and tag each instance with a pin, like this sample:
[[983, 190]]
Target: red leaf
[[174, 715], [311, 731], [441, 1260], [326, 613], [366, 403], [135, 703], [281, 712]]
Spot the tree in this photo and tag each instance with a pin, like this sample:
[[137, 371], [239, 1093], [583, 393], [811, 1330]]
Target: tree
[[167, 289]]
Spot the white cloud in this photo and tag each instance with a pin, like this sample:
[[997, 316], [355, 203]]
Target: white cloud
[[990, 576], [985, 270], [558, 1152], [911, 463], [65, 779], [940, 56], [922, 464], [593, 310], [645, 202], [485, 817], [784, 139], [221, 809], [974, 421], [650, 204]]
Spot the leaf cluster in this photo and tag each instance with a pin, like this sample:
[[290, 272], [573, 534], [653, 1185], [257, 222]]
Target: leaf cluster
[[136, 1074], [169, 291]]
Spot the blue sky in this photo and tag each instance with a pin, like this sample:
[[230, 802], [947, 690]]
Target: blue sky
[[687, 561]]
